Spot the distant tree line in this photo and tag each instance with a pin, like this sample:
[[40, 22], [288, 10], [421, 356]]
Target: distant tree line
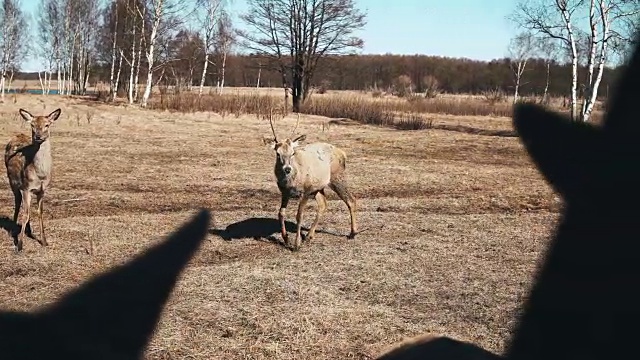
[[306, 46], [368, 72]]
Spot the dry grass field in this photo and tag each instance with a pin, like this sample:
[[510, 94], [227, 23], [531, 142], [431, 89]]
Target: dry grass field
[[454, 226]]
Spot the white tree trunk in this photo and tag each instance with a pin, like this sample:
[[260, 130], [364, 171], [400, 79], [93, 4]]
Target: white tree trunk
[[259, 73], [115, 87], [10, 80], [132, 68], [224, 65], [60, 80], [566, 16], [42, 82], [71, 60], [70, 72], [113, 54], [137, 78], [591, 58], [591, 101], [48, 74], [204, 72], [150, 51], [546, 84], [2, 88]]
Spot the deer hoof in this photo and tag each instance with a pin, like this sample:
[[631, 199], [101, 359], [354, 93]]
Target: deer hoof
[[352, 235]]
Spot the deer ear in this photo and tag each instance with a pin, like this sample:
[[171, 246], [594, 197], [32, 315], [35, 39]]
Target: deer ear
[[565, 151], [299, 139], [269, 142], [26, 115], [55, 114]]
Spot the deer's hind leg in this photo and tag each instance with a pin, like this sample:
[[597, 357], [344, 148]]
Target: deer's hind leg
[[339, 185], [15, 231], [17, 197], [24, 219], [321, 200]]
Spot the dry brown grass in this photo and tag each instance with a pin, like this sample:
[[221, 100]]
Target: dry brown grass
[[407, 113], [456, 223]]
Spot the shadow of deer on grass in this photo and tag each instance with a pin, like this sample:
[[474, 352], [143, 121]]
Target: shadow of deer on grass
[[261, 228]]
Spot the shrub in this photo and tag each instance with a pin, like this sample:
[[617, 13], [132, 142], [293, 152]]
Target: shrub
[[402, 86]]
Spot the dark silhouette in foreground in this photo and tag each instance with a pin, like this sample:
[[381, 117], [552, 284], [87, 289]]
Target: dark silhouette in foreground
[[582, 305], [113, 315]]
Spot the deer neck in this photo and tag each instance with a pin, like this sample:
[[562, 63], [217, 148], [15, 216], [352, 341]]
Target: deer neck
[[42, 159]]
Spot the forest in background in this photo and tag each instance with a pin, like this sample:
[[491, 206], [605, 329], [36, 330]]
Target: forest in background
[[367, 72]]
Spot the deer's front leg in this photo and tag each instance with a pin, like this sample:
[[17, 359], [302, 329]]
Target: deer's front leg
[[281, 217], [303, 202], [40, 198]]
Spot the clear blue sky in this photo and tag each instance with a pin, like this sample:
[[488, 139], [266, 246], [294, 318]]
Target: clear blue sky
[[474, 29]]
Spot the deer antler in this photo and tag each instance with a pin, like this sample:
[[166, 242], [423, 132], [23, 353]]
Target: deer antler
[[275, 137], [297, 122]]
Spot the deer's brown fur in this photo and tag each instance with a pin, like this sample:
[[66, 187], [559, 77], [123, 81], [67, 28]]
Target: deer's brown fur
[[307, 171], [28, 162]]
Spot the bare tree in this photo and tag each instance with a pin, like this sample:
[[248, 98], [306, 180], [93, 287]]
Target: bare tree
[[161, 13], [185, 50], [113, 85], [298, 33], [520, 50], [604, 25], [13, 39], [208, 18], [87, 13], [48, 40], [546, 49], [224, 41]]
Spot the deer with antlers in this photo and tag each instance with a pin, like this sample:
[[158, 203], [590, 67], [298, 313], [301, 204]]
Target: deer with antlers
[[306, 171], [28, 162]]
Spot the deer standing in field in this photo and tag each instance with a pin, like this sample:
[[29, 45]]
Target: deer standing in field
[[28, 161], [306, 171], [583, 304]]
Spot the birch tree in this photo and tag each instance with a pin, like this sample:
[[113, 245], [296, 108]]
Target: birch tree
[[561, 20], [298, 33], [521, 48], [160, 12], [13, 39], [547, 50], [224, 41], [87, 13], [209, 16], [48, 40]]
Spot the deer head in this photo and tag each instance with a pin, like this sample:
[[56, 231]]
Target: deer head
[[40, 124], [285, 148]]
